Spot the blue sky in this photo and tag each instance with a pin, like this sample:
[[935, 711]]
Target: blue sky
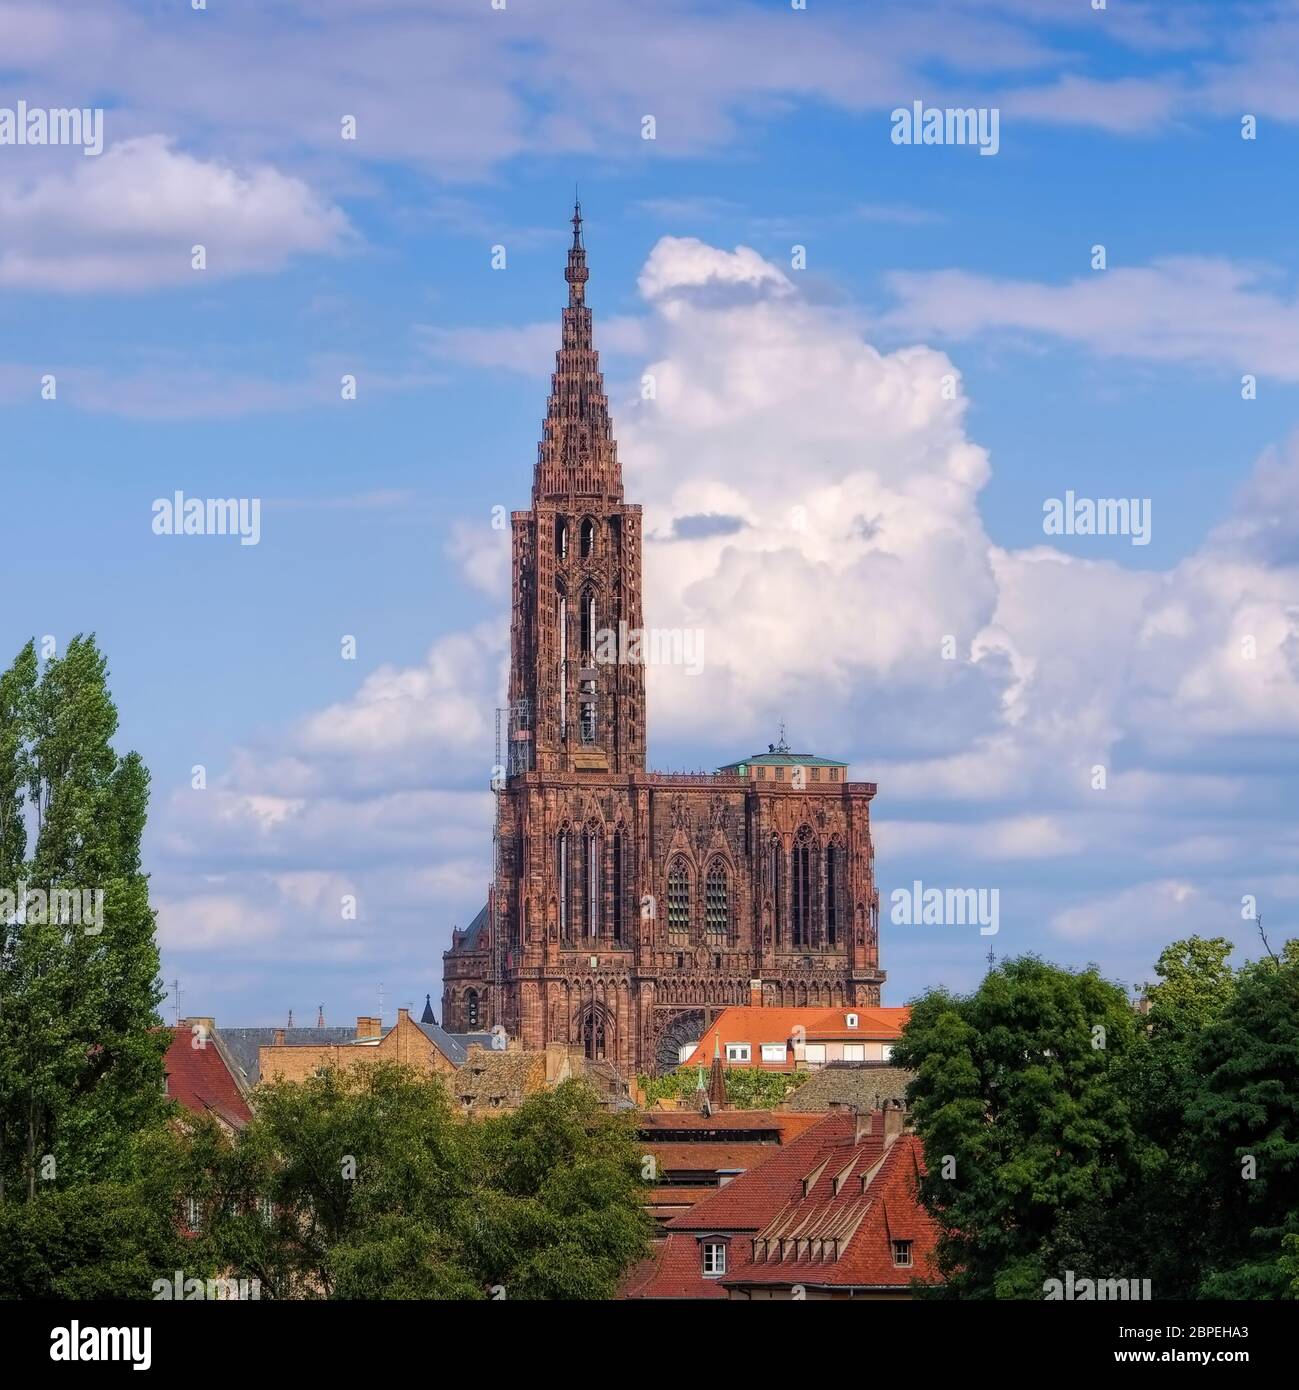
[[783, 388]]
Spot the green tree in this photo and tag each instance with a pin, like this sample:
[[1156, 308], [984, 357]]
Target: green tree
[[1157, 1224], [1023, 1124], [361, 1183], [747, 1088], [109, 1239], [80, 1054], [1244, 1117]]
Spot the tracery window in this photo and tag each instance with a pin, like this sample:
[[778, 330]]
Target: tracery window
[[716, 899], [802, 887], [678, 898]]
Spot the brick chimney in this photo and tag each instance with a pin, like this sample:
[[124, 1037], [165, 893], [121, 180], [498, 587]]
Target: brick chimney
[[279, 1037], [865, 1125], [368, 1026], [895, 1120], [755, 994]]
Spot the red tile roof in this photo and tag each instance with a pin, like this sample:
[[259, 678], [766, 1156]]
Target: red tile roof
[[199, 1079], [745, 1024], [786, 1123], [821, 1211], [707, 1158]]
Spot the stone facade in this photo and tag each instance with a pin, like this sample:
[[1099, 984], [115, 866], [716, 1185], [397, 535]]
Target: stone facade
[[628, 906], [406, 1042]]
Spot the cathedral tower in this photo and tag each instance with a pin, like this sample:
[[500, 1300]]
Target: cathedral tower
[[628, 906]]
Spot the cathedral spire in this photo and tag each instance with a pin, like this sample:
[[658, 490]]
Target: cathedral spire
[[577, 273], [577, 456]]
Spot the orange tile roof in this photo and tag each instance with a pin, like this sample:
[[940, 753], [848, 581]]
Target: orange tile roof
[[745, 1024], [822, 1211]]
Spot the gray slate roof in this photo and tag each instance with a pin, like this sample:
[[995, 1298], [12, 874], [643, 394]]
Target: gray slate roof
[[448, 1044], [243, 1043], [474, 931]]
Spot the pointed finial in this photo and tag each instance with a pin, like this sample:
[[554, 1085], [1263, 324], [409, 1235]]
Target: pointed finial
[[320, 1015], [782, 746], [577, 221]]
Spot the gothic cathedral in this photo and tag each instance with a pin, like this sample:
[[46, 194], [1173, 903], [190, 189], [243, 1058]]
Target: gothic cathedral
[[628, 906]]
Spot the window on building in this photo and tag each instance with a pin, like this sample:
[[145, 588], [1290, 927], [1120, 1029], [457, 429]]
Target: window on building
[[814, 1054], [588, 538], [714, 1258], [193, 1214], [816, 774], [562, 881], [561, 622], [902, 1253], [716, 899], [594, 901], [617, 885], [854, 1052], [738, 1052], [802, 886], [678, 898], [587, 699], [561, 537], [773, 1052], [833, 893], [471, 1009], [850, 1021], [777, 885]]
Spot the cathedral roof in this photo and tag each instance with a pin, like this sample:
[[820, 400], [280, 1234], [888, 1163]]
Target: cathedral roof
[[786, 759], [474, 931]]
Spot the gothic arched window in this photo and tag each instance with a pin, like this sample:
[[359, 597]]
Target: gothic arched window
[[591, 882], [561, 537], [595, 1029], [471, 1009], [562, 872], [616, 870], [561, 621], [678, 898], [833, 891], [777, 886], [801, 884], [716, 899], [588, 538]]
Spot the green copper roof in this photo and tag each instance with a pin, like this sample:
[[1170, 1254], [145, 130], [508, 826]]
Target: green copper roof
[[783, 760]]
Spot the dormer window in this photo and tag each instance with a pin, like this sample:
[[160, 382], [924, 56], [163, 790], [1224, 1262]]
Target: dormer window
[[902, 1254], [714, 1259], [851, 1021]]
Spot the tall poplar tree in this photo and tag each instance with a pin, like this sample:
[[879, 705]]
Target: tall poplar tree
[[80, 1057]]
